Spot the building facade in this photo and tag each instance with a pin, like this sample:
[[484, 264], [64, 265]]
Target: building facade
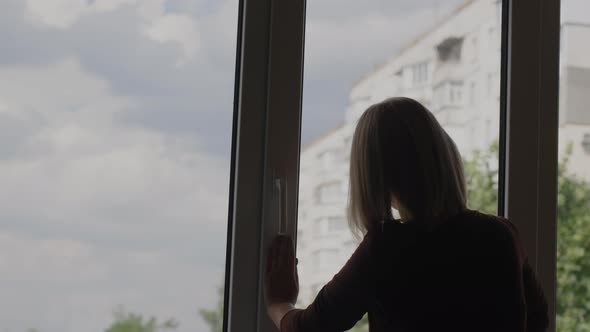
[[454, 69]]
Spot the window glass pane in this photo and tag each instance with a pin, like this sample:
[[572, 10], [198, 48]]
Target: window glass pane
[[573, 204], [115, 126], [357, 54]]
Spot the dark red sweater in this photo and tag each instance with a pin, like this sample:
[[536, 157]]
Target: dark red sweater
[[469, 273]]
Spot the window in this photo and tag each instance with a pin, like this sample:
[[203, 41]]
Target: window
[[300, 239], [330, 158], [450, 49], [98, 143], [472, 93], [474, 49], [327, 159], [325, 259], [116, 122], [448, 93], [456, 93], [336, 224], [586, 143], [419, 73], [318, 228], [316, 262], [329, 193], [490, 85]]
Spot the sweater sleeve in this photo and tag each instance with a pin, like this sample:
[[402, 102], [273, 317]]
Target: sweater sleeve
[[537, 308], [343, 301]]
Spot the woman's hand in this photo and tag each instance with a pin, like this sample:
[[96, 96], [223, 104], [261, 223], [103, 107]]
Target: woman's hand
[[281, 283]]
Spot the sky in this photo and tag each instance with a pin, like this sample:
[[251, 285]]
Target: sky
[[115, 128]]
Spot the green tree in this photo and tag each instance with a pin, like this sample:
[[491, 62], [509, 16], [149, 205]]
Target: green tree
[[481, 173], [573, 250], [214, 318], [362, 325], [131, 322]]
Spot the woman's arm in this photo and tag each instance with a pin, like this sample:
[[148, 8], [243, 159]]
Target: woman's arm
[[338, 306], [281, 282]]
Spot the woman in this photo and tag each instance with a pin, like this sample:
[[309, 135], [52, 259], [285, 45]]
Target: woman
[[440, 267]]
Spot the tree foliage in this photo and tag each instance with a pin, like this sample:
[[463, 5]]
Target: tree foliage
[[214, 318], [131, 322], [481, 176], [573, 250]]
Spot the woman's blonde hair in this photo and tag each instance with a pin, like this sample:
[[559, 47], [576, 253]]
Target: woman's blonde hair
[[400, 150]]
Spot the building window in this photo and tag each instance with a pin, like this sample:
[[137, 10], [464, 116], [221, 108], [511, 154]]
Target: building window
[[474, 47], [329, 192], [336, 224], [450, 49], [315, 260], [439, 95], [329, 158], [302, 214], [420, 73], [324, 258], [488, 129], [586, 143], [317, 226], [328, 257], [455, 93], [448, 93]]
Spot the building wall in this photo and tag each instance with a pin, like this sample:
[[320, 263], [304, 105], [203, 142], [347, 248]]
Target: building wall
[[574, 117]]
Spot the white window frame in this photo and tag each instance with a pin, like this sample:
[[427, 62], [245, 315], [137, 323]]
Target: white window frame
[[267, 141]]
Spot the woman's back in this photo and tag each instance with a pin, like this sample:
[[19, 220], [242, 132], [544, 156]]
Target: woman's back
[[469, 273], [463, 275]]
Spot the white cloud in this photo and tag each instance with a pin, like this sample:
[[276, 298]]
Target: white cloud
[[62, 14], [56, 13], [175, 28], [162, 27], [95, 213]]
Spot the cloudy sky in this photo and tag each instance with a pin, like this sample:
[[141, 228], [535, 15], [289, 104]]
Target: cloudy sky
[[115, 119]]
